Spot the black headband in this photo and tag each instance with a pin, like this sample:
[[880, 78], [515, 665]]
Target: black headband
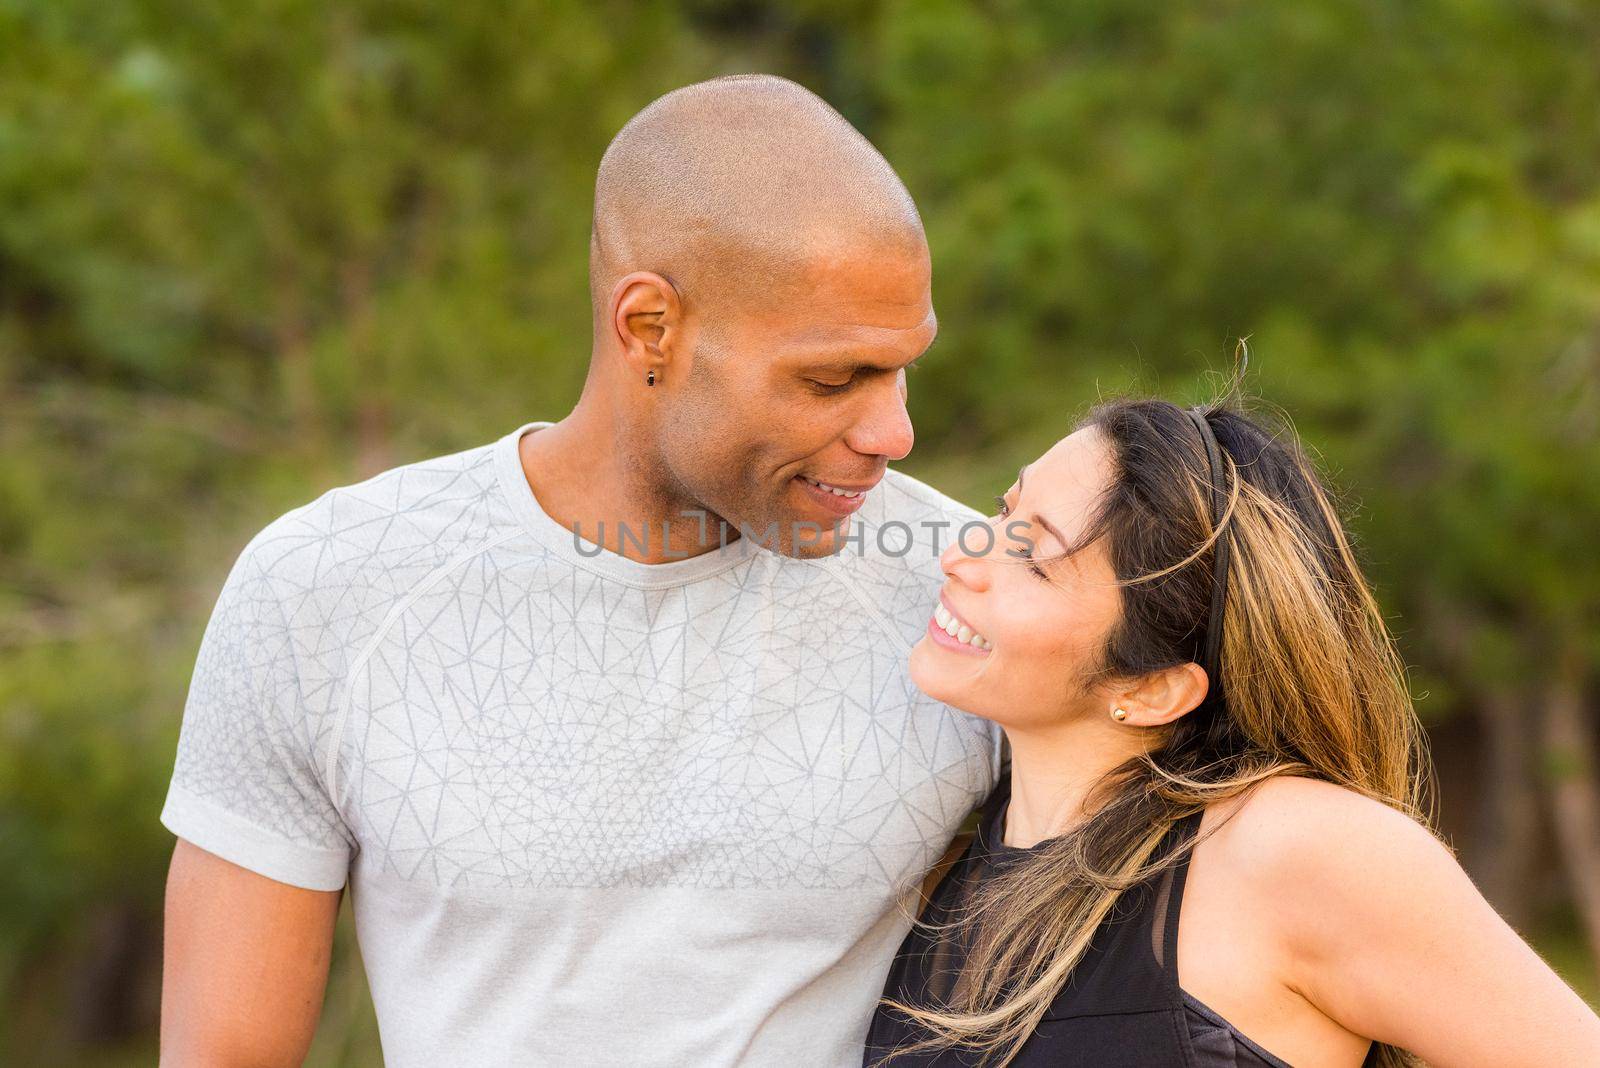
[[1219, 554]]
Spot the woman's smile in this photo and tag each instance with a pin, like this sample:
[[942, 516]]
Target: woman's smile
[[949, 630]]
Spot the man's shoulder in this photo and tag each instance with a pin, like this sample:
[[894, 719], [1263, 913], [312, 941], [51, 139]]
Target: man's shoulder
[[901, 498], [358, 547], [905, 524], [435, 486]]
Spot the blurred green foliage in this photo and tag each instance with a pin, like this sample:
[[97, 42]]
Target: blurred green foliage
[[251, 250]]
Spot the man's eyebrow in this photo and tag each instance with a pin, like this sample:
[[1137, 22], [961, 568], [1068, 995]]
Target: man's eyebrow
[[855, 364], [847, 358]]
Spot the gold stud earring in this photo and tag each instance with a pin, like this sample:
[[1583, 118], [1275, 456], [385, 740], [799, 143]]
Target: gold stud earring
[[1119, 714]]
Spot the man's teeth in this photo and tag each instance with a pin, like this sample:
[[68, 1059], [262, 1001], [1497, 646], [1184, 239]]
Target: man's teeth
[[957, 629], [832, 489]]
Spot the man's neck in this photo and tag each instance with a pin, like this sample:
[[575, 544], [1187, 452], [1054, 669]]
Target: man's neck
[[585, 478]]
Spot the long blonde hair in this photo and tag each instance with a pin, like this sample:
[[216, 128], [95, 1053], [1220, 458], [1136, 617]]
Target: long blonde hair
[[1310, 684]]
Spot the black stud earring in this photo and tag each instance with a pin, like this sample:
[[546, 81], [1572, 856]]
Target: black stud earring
[[650, 379]]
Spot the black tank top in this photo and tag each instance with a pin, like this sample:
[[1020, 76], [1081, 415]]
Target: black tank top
[[1122, 1005]]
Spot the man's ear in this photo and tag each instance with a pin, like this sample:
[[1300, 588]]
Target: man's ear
[[1162, 696], [647, 319]]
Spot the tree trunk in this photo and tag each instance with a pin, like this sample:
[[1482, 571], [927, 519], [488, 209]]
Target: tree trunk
[[1572, 788], [1506, 852], [106, 1002]]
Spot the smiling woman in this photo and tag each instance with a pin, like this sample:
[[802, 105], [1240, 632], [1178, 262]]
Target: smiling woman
[[1215, 764]]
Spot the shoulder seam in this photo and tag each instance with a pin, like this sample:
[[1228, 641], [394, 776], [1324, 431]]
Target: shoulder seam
[[294, 656]]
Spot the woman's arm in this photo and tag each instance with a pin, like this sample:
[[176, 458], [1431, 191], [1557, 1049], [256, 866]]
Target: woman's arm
[[1386, 934]]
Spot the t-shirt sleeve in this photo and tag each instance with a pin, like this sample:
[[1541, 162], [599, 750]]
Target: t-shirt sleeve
[[246, 784]]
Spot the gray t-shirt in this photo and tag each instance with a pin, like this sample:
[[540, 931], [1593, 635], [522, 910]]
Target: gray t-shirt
[[590, 811]]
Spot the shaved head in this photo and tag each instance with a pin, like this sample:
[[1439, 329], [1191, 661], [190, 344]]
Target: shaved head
[[760, 284], [741, 185]]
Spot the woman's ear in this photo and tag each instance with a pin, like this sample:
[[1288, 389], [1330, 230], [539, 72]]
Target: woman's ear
[[1162, 696]]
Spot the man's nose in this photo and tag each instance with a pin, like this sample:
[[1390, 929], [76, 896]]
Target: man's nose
[[884, 428]]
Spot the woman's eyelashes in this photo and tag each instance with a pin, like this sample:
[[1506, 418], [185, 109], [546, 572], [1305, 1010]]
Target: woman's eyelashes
[[1026, 553]]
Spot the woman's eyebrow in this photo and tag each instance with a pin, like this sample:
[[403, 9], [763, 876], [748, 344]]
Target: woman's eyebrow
[[1050, 529], [1048, 526]]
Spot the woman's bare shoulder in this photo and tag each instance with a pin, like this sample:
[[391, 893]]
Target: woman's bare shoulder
[[1314, 851], [1295, 814], [1368, 917]]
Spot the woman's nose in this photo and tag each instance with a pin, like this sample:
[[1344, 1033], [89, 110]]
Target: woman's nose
[[966, 558]]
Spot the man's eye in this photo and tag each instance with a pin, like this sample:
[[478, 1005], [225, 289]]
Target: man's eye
[[826, 388], [1003, 509]]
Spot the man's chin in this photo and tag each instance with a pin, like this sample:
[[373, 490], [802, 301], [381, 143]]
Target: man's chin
[[824, 539], [804, 538]]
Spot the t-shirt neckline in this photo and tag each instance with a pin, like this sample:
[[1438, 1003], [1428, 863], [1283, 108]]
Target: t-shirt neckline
[[583, 553]]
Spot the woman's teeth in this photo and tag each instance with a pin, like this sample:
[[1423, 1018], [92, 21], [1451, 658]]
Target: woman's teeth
[[957, 629], [832, 489]]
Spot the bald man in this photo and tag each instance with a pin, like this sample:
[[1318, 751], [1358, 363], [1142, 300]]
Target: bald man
[[606, 723]]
